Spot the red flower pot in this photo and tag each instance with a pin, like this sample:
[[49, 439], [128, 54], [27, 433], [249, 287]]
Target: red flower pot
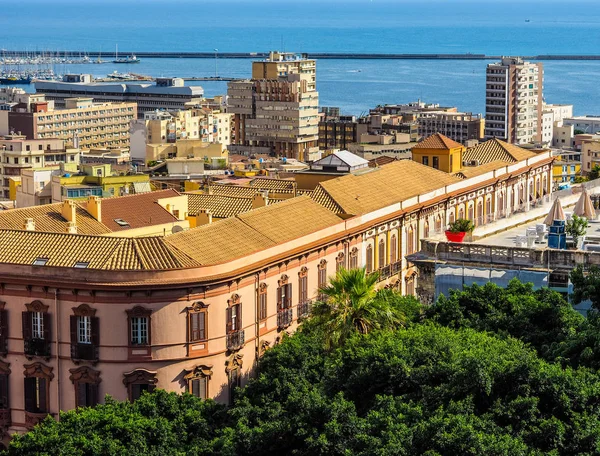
[[455, 237]]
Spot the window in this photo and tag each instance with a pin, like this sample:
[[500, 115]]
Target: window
[[262, 301], [85, 381], [322, 279], [393, 248], [4, 393], [369, 259], [410, 243], [37, 391], [340, 261], [40, 261], [138, 381], [426, 161], [85, 333], [139, 326], [197, 322], [3, 330], [233, 368], [234, 318], [436, 162], [354, 258], [382, 255], [139, 330], [197, 381], [36, 329]]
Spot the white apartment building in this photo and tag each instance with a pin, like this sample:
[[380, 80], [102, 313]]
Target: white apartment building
[[514, 101], [584, 124], [552, 116]]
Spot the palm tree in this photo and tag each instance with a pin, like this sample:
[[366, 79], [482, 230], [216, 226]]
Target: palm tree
[[352, 303]]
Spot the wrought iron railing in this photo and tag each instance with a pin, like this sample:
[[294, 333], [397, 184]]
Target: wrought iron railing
[[235, 340], [37, 347], [87, 352], [304, 309], [284, 318]]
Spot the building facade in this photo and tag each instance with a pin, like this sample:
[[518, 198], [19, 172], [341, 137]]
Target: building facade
[[82, 123], [166, 93], [194, 310], [278, 114], [513, 101], [458, 126], [338, 133]]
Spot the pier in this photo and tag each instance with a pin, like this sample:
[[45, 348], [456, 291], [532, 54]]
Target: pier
[[314, 55]]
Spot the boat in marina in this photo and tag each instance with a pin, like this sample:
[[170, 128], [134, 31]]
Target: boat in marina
[[131, 59]]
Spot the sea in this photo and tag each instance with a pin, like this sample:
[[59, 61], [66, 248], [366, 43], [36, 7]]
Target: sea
[[491, 27]]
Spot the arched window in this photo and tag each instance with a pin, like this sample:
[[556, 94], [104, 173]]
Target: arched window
[[426, 229], [531, 195], [451, 216], [382, 255], [488, 209], [369, 259], [479, 217], [438, 223], [354, 258], [470, 211], [410, 243], [393, 249], [501, 202], [461, 213], [340, 262]]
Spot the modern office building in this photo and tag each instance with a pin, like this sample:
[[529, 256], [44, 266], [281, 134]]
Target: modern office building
[[81, 123], [337, 132], [166, 93], [277, 112], [513, 101]]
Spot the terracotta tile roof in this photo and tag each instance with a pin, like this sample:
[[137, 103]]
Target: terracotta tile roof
[[468, 172], [438, 141], [495, 150], [100, 252], [398, 181], [380, 161], [220, 206], [252, 231], [273, 184], [321, 196], [137, 210], [233, 190], [48, 218], [290, 219]]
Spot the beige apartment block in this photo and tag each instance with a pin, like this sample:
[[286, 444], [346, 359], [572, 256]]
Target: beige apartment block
[[458, 126], [18, 153], [280, 64], [82, 123], [514, 101]]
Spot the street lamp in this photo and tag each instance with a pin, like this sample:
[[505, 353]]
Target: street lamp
[[216, 68]]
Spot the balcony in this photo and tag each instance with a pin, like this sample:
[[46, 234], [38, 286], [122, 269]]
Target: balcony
[[37, 347], [284, 318], [31, 419], [84, 352], [235, 340], [304, 309], [384, 272]]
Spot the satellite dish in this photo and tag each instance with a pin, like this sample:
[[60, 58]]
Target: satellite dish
[[176, 229]]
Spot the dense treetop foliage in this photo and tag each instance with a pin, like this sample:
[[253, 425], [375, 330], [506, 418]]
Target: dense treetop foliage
[[486, 371]]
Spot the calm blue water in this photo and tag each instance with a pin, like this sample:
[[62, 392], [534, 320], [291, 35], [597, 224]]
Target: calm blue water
[[397, 26]]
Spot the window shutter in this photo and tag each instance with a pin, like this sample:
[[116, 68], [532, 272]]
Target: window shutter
[[27, 325], [43, 395], [47, 326], [150, 388], [194, 326], [229, 323], [30, 394], [92, 394], [82, 399], [280, 297], [95, 331], [288, 296], [202, 326], [203, 386], [74, 320], [3, 331], [196, 388], [239, 317], [4, 392]]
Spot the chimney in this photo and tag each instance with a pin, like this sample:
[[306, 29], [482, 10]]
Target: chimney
[[204, 217], [260, 199], [71, 228], [29, 224], [94, 207], [69, 210]]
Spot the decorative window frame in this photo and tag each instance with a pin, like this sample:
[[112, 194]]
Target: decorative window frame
[[139, 377], [39, 370], [197, 372], [197, 347], [139, 352], [84, 374]]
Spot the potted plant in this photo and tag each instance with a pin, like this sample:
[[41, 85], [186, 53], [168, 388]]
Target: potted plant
[[458, 229], [576, 228]]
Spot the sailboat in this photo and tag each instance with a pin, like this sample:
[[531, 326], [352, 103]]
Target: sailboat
[[131, 59]]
